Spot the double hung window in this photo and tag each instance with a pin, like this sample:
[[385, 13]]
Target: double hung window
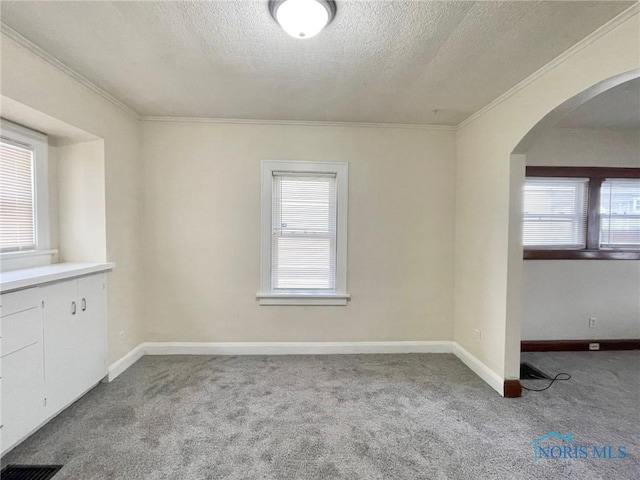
[[304, 223]]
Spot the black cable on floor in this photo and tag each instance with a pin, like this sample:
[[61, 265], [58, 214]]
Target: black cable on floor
[[557, 377]]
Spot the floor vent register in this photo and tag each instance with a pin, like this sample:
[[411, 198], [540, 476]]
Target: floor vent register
[[529, 372], [29, 472]]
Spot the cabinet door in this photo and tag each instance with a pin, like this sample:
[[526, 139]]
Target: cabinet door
[[64, 380], [92, 309], [23, 376]]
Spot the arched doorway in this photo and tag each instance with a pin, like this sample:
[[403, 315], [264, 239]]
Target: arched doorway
[[489, 176], [517, 176]]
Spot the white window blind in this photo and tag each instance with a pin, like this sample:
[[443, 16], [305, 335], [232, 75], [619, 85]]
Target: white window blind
[[17, 210], [303, 256], [555, 213], [620, 213]]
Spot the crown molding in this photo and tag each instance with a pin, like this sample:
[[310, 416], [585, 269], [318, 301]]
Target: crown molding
[[47, 57], [563, 57], [294, 123]]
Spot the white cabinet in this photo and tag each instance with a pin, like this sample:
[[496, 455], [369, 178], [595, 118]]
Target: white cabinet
[[74, 338], [22, 365], [53, 349]]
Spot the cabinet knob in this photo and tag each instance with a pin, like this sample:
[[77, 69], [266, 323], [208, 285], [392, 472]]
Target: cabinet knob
[[73, 308], [84, 304]]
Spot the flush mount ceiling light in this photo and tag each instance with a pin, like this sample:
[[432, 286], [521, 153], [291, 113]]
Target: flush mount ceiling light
[[302, 18]]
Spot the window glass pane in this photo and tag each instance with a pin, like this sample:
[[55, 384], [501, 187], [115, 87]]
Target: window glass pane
[[620, 214], [17, 228], [555, 213], [304, 232]]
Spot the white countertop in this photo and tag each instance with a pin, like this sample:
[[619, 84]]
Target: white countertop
[[31, 277]]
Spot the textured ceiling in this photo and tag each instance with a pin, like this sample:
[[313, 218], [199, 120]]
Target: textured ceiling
[[423, 62], [615, 109]]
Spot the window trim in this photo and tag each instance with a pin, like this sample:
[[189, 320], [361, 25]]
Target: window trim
[[340, 296], [596, 176], [38, 143]]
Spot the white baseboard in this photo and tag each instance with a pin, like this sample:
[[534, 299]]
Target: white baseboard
[[272, 348], [119, 366], [306, 348], [485, 373], [292, 348]]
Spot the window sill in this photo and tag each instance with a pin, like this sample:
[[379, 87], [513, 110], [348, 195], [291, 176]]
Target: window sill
[[26, 253], [581, 255], [26, 259], [303, 299]]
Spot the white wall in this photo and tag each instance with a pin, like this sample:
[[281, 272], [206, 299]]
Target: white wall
[[33, 88], [561, 295], [567, 147], [81, 202], [202, 232], [488, 252]]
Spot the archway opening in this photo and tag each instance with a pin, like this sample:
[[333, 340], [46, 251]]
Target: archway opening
[[551, 297]]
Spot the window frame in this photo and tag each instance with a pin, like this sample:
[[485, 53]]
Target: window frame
[[544, 185], [340, 296], [38, 143], [596, 176]]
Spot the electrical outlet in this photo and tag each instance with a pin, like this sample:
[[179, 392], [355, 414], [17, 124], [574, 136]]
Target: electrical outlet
[[478, 335], [592, 322], [594, 346], [121, 337]]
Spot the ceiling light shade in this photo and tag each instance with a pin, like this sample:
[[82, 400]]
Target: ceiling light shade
[[302, 18]]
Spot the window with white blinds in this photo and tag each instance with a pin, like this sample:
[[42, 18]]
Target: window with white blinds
[[555, 213], [304, 233], [17, 198], [620, 214], [303, 255], [24, 196]]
